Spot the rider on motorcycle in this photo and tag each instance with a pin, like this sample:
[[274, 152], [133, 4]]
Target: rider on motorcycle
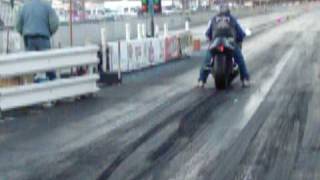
[[224, 11]]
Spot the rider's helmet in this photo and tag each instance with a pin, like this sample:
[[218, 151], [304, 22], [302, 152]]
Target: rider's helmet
[[223, 26], [224, 9]]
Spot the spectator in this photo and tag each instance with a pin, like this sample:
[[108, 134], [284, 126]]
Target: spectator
[[37, 22]]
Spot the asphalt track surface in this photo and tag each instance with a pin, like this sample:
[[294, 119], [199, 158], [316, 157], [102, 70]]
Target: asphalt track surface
[[158, 126]]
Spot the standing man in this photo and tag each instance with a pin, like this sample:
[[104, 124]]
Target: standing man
[[37, 22]]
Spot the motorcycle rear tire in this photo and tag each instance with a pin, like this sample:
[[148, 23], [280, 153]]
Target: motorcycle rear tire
[[222, 71]]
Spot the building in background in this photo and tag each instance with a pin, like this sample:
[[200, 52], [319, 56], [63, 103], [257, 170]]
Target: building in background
[[111, 9], [124, 7]]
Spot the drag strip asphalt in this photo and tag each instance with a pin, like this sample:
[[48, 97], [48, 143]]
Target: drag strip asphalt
[[158, 125]]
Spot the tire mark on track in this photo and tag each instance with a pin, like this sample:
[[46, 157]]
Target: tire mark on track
[[82, 156], [279, 153], [167, 151], [181, 114], [190, 122], [282, 144]]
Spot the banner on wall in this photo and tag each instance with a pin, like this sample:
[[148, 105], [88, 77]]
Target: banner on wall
[[172, 49], [155, 51], [139, 54], [136, 54]]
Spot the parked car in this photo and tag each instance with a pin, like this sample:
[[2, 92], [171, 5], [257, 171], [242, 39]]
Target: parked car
[[170, 10]]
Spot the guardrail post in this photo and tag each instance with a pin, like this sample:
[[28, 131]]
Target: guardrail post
[[8, 41], [119, 61], [187, 27], [91, 69], [127, 31], [58, 74], [165, 29], [156, 30], [103, 51], [3, 42], [139, 31], [143, 30]]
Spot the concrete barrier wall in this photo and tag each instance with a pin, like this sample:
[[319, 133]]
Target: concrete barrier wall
[[127, 56], [90, 32]]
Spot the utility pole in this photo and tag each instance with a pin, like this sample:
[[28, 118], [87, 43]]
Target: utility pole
[[83, 4], [70, 22], [151, 11]]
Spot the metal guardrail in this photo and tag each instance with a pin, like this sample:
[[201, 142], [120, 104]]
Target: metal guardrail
[[32, 62], [17, 65]]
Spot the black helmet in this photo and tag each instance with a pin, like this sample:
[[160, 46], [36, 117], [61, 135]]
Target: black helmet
[[224, 9]]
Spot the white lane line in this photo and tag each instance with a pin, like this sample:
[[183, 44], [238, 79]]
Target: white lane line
[[257, 98], [191, 169]]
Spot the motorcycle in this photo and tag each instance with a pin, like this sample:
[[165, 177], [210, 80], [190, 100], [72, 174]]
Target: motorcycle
[[224, 69]]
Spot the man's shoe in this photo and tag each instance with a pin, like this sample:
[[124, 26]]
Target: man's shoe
[[246, 83], [201, 84]]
